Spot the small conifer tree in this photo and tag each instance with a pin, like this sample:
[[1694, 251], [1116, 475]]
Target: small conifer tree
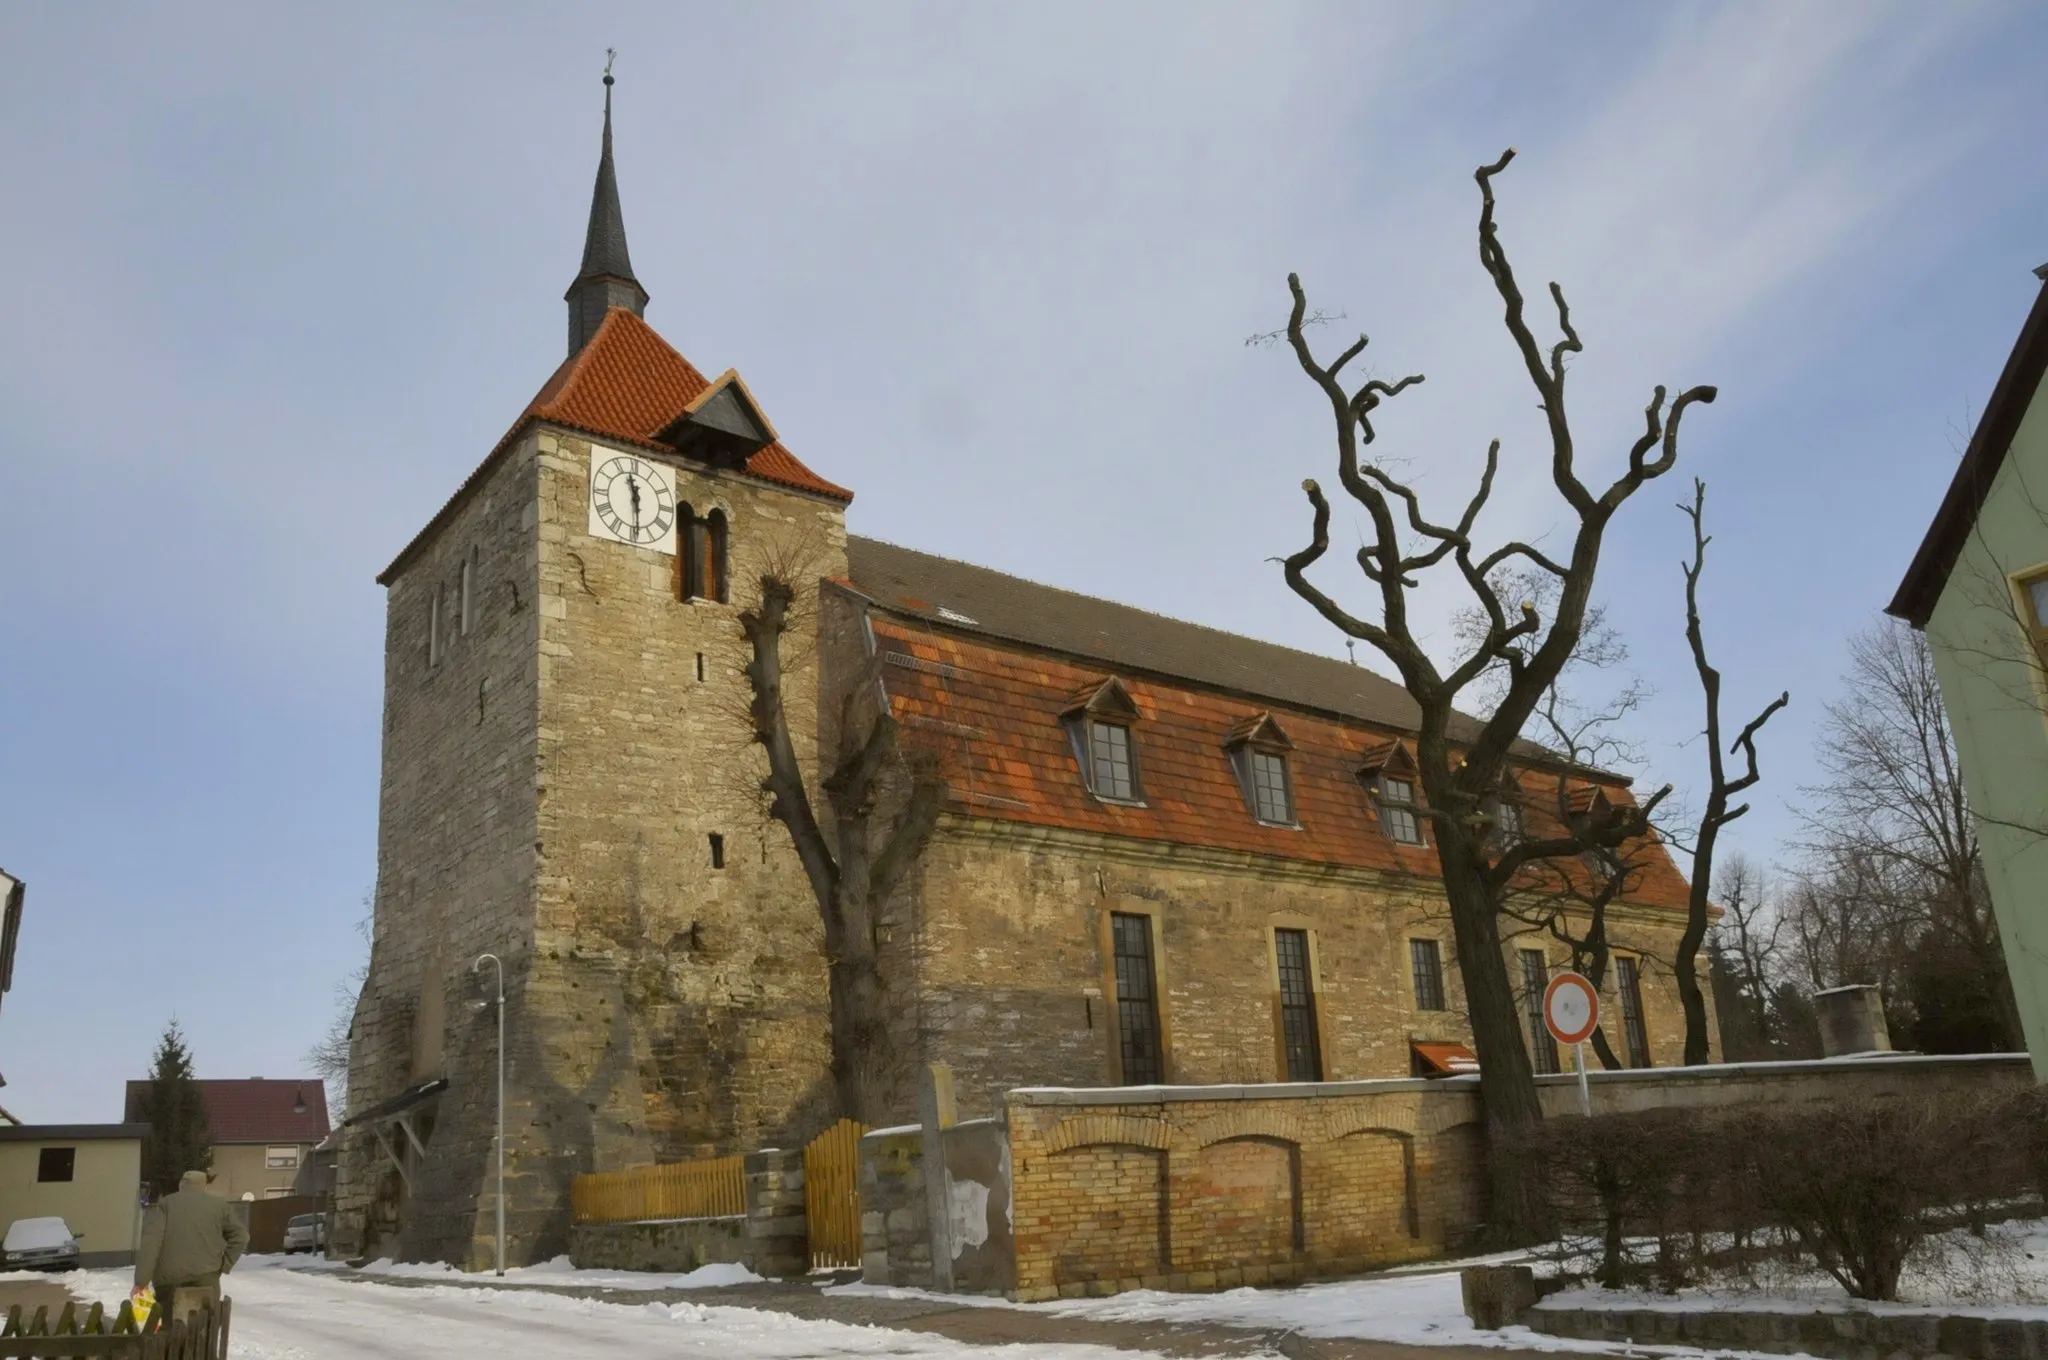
[[179, 1139]]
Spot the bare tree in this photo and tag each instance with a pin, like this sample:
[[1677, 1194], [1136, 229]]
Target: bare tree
[[329, 1057], [1897, 868], [1478, 869], [1720, 789], [875, 835]]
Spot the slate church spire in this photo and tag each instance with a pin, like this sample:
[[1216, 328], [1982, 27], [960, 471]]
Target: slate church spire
[[606, 279]]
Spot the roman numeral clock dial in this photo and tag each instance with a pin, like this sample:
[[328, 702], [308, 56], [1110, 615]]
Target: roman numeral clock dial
[[632, 501]]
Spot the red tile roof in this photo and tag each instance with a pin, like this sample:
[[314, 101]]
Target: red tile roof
[[626, 385], [254, 1110], [992, 711]]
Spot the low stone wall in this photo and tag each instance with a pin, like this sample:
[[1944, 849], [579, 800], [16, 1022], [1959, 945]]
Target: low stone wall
[[1883, 1074], [895, 1215], [1216, 1187], [778, 1229], [668, 1245], [1844, 1334]]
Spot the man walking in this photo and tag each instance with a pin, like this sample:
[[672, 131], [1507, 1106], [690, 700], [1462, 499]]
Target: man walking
[[189, 1240]]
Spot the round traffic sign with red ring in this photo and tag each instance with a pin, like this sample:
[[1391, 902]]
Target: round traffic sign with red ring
[[1571, 1008]]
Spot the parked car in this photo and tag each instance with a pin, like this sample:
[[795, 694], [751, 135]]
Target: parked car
[[40, 1244], [307, 1232]]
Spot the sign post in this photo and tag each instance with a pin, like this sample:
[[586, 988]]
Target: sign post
[[1571, 1012]]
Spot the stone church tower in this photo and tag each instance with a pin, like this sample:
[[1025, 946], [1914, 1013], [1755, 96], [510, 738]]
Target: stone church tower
[[568, 784]]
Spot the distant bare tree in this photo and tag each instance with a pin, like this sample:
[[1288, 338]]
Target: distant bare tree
[[1896, 875], [329, 1057], [1478, 869], [854, 862]]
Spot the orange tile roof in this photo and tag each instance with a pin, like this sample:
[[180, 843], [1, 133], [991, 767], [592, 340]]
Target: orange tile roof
[[626, 385], [992, 712]]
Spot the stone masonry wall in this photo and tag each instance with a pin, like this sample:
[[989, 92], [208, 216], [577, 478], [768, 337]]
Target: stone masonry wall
[[455, 863], [683, 989], [1015, 987]]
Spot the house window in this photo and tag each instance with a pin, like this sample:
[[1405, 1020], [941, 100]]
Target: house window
[[1109, 761], [1507, 821], [1137, 1000], [1297, 1006], [1628, 981], [276, 1191], [280, 1158], [468, 572], [1397, 810], [1272, 792], [1535, 982], [2034, 597], [54, 1165], [703, 555], [1426, 962]]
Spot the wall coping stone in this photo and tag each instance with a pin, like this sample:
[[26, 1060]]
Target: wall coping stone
[[1285, 1090]]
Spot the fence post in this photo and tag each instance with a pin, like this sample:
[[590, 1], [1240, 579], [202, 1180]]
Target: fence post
[[935, 1112]]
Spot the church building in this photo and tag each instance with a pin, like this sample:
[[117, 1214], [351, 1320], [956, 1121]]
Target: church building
[[1167, 854]]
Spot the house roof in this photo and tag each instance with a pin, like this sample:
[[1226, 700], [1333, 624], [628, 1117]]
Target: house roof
[[253, 1110], [71, 1133], [1928, 576], [992, 711], [1130, 641], [626, 386]]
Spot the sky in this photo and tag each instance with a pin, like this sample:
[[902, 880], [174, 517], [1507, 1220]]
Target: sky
[[279, 276]]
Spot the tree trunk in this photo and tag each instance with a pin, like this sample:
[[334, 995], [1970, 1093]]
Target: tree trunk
[[1684, 964], [1507, 1084], [863, 1050]]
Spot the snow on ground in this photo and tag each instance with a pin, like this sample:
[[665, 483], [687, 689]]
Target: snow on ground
[[311, 1315], [549, 1273]]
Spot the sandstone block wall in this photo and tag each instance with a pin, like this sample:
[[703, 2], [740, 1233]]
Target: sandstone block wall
[[677, 1245], [455, 860], [1016, 986], [895, 1214], [717, 1038]]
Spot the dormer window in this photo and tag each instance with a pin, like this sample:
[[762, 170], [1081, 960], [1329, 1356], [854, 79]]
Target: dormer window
[[1258, 752], [1100, 725], [1394, 784]]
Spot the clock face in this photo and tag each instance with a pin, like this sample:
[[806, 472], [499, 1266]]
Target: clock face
[[632, 500]]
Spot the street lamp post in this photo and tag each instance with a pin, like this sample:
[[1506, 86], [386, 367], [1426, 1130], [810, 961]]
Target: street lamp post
[[499, 1140]]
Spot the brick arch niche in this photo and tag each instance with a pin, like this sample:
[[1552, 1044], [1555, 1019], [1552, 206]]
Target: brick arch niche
[[1114, 1196], [1245, 1193]]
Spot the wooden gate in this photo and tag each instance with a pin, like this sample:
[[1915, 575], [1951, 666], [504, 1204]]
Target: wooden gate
[[832, 1194]]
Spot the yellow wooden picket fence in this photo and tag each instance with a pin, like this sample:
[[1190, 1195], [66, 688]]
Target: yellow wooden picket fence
[[832, 1194], [709, 1188]]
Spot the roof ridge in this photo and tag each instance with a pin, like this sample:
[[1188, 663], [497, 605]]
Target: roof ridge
[[1136, 609]]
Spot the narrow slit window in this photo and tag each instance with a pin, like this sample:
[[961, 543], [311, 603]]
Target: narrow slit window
[[700, 668], [1298, 1006], [1535, 982], [1137, 1000], [1397, 810], [717, 851], [1628, 981], [1426, 962], [434, 630], [468, 571]]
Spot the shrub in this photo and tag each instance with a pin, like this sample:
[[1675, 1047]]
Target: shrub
[[1851, 1185]]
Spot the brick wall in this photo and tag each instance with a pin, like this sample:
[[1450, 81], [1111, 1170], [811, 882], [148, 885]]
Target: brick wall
[[1208, 1188], [1216, 1187]]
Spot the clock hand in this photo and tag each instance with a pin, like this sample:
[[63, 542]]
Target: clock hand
[[633, 490]]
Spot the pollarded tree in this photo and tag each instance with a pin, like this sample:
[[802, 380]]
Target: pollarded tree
[[879, 827], [1460, 760], [179, 1140]]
